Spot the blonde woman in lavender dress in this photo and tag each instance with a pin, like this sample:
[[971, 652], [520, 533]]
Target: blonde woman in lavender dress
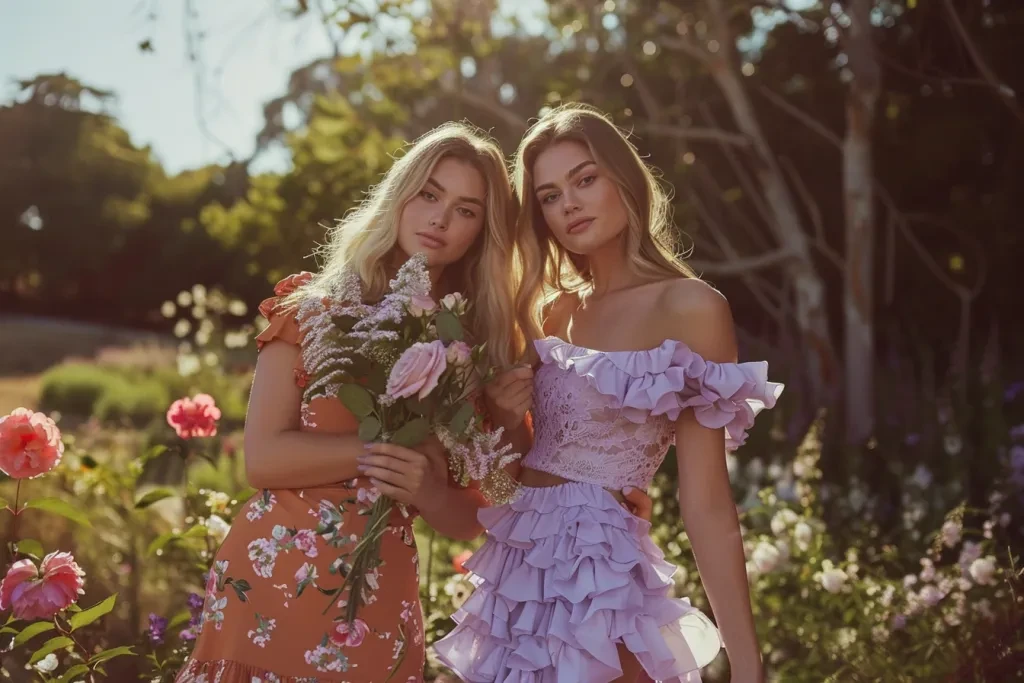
[[638, 354]]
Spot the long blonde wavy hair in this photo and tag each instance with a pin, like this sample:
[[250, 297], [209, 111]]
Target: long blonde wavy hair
[[366, 239], [548, 269]]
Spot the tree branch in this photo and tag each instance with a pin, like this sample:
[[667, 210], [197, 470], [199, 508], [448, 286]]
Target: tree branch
[[519, 125], [686, 46], [1004, 91], [820, 243], [740, 265], [693, 133], [805, 118], [883, 195]]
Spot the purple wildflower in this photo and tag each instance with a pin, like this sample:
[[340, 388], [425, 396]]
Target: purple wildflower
[[157, 628]]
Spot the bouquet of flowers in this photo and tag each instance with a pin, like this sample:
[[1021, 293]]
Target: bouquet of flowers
[[404, 368]]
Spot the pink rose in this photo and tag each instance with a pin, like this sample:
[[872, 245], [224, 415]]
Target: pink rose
[[30, 444], [458, 353], [350, 637], [192, 417], [454, 302], [33, 593], [421, 304], [418, 370]]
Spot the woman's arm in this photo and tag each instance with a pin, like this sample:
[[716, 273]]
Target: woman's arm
[[704, 322], [277, 454]]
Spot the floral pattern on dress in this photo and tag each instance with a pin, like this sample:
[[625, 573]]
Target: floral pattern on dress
[[282, 564], [260, 505], [260, 635]]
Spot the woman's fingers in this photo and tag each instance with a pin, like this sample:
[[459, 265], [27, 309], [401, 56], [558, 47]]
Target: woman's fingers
[[381, 462], [395, 492], [639, 500], [392, 450]]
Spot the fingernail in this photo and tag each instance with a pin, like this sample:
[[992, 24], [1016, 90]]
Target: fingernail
[[361, 468], [369, 445], [375, 482], [628, 490]]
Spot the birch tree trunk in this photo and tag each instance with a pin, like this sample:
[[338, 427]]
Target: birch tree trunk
[[859, 203]]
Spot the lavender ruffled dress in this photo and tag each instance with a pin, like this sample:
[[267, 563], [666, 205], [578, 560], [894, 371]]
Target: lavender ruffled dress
[[566, 573]]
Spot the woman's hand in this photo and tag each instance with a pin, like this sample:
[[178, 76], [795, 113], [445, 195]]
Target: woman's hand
[[510, 396], [637, 503], [414, 476]]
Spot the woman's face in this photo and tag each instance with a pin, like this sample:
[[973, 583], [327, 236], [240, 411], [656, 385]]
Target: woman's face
[[446, 216], [580, 202]]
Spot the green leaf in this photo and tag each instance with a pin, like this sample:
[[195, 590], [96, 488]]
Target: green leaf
[[4, 502], [154, 452], [415, 406], [241, 586], [73, 673], [30, 546], [31, 631], [86, 617], [356, 399], [50, 645], [110, 654], [411, 433], [462, 417], [449, 328], [179, 619], [246, 493], [369, 428], [59, 507], [153, 496], [160, 541], [196, 531]]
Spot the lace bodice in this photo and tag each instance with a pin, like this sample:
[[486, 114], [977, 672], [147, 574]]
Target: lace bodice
[[608, 417]]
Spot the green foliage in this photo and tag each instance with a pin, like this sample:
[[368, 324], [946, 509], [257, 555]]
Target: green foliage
[[138, 396], [75, 388]]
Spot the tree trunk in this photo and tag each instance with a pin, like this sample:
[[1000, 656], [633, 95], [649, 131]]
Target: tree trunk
[[859, 202], [810, 305]]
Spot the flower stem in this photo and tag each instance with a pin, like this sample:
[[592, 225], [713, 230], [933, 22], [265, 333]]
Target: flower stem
[[12, 545], [365, 556]]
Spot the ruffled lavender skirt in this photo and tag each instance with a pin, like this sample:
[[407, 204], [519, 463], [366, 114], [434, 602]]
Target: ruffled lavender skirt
[[565, 575]]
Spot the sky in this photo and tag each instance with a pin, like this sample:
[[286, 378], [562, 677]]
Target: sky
[[247, 55]]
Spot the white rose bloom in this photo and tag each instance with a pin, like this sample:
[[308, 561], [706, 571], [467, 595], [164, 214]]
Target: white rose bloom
[[218, 528], [803, 534], [983, 570], [766, 557], [832, 579], [950, 533], [47, 663], [782, 520]]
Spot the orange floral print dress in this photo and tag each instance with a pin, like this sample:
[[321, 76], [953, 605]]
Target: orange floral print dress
[[263, 619]]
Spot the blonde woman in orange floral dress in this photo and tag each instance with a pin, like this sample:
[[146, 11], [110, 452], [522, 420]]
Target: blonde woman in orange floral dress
[[265, 618]]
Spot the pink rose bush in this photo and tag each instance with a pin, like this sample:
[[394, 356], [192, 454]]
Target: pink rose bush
[[194, 417], [32, 592], [30, 444]]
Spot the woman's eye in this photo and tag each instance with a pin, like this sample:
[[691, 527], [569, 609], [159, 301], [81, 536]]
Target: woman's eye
[[428, 195], [587, 180], [466, 212], [548, 198]]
